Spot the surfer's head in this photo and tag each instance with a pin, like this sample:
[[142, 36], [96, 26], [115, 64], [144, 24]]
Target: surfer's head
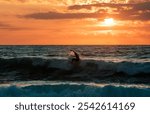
[[72, 51]]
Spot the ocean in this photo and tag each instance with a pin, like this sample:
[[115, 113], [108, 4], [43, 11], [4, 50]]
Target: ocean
[[103, 71]]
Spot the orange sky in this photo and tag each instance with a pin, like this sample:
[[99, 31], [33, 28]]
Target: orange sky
[[72, 22]]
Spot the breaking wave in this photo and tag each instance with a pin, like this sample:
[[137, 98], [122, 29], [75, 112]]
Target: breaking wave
[[73, 90], [61, 69]]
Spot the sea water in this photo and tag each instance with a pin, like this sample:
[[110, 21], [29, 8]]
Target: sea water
[[102, 71]]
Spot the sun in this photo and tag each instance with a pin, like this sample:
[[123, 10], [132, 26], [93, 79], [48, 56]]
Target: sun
[[108, 22]]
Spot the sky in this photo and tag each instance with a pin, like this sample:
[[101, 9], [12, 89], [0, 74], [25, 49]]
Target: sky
[[74, 22]]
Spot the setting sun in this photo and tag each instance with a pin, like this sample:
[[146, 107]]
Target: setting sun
[[108, 22], [74, 22]]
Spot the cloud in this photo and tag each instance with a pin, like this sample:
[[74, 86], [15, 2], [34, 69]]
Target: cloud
[[137, 6], [5, 26], [73, 2], [90, 6], [131, 11], [137, 1], [82, 9], [57, 15], [140, 11]]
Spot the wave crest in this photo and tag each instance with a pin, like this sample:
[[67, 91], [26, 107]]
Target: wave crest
[[66, 90], [62, 69]]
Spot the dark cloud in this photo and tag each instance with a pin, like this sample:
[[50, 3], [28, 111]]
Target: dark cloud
[[138, 6], [141, 6], [5, 26], [57, 15], [138, 11], [89, 6]]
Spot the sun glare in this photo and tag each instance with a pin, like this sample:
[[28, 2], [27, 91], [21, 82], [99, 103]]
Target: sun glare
[[108, 22]]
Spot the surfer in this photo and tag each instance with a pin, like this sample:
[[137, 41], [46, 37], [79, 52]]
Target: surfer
[[74, 56]]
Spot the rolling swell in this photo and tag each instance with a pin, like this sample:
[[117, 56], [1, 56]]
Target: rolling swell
[[24, 69], [66, 90]]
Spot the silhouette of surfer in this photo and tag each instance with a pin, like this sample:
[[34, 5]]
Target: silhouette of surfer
[[74, 56]]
